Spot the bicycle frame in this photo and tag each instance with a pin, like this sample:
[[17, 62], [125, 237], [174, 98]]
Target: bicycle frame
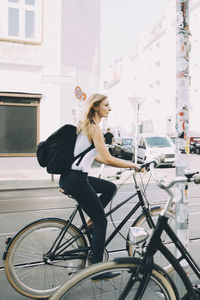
[[56, 251], [156, 245]]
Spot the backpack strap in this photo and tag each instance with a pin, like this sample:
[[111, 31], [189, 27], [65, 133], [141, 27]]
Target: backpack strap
[[82, 154]]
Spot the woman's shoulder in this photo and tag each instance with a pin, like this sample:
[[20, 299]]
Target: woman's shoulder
[[95, 129], [93, 132]]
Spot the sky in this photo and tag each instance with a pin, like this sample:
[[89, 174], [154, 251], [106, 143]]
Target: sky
[[123, 21]]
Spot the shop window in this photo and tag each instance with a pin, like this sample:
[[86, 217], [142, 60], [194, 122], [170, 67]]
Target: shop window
[[19, 125]]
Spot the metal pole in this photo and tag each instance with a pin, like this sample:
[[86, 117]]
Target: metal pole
[[182, 122], [136, 131], [136, 102], [52, 177]]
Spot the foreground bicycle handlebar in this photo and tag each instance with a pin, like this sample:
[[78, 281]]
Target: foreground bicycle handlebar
[[190, 176]]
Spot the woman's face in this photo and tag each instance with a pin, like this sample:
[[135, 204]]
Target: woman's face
[[103, 109]]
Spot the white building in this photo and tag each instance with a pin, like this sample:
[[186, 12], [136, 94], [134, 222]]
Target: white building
[[149, 78], [47, 48]]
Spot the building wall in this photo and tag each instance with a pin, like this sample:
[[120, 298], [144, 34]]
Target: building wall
[[150, 74], [80, 51], [67, 55]]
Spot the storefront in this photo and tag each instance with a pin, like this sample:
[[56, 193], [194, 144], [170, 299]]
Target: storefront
[[19, 123]]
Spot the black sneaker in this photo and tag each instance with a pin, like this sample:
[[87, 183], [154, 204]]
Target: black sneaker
[[105, 276]]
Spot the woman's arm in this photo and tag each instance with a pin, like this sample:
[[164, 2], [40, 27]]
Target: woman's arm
[[104, 155]]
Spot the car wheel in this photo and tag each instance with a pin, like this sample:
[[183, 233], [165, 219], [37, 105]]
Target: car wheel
[[198, 151]]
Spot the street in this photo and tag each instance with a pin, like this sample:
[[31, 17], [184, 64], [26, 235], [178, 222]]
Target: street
[[18, 208]]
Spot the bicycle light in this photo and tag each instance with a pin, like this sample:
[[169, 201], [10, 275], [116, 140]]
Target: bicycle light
[[137, 235]]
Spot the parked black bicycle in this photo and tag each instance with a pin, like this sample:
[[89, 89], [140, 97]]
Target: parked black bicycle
[[139, 278], [46, 253]]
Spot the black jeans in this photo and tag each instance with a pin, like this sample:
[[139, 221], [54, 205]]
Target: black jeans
[[84, 189]]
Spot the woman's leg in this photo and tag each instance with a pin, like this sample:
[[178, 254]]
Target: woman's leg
[[106, 188], [87, 198]]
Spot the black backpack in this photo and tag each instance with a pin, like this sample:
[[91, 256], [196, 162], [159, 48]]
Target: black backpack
[[56, 153]]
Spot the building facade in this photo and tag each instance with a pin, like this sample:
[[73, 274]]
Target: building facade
[[146, 86], [47, 49]]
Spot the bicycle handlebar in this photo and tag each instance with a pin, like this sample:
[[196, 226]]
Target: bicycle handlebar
[[156, 162], [189, 176]]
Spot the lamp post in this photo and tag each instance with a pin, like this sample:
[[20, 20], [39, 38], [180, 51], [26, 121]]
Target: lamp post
[[136, 103]]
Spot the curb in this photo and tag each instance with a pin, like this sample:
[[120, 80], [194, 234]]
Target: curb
[[20, 185], [28, 188]]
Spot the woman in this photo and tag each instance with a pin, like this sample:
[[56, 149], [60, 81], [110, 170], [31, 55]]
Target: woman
[[85, 188]]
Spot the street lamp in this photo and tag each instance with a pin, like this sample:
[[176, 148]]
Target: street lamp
[[136, 103]]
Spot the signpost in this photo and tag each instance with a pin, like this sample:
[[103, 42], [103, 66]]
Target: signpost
[[136, 102]]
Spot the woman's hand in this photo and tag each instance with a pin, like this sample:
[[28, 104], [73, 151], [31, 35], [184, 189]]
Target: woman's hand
[[137, 168]]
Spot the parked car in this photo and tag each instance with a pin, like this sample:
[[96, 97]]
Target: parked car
[[152, 145], [173, 139], [124, 148], [181, 144], [195, 145]]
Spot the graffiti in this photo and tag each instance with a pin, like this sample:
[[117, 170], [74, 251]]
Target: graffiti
[[182, 123], [182, 18]]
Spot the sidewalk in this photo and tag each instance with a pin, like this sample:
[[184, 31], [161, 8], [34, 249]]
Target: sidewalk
[[23, 179], [25, 173]]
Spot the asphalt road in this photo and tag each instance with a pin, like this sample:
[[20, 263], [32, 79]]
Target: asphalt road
[[18, 208]]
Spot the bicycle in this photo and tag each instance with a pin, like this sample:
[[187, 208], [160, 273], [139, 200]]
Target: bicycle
[[139, 278], [47, 252]]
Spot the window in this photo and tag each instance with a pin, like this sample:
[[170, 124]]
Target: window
[[21, 20], [19, 120], [13, 21], [158, 142]]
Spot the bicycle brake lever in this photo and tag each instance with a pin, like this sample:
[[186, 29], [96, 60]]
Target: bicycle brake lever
[[146, 166]]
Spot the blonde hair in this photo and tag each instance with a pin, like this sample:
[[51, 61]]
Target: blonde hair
[[86, 124]]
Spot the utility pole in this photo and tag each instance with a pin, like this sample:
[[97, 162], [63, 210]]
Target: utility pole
[[136, 102], [182, 121]]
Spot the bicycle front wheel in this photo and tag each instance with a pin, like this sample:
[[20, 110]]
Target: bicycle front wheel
[[26, 266], [141, 221], [82, 286]]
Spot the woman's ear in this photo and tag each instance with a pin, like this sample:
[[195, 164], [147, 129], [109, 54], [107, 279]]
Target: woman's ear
[[95, 108]]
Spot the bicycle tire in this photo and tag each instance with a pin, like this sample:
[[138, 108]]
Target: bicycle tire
[[25, 267], [141, 222], [81, 286]]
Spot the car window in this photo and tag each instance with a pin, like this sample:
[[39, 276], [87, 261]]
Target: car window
[[127, 141], [158, 141]]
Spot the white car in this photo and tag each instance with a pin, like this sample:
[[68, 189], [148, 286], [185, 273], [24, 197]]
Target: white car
[[153, 145]]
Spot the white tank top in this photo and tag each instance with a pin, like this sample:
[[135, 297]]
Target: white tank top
[[82, 144]]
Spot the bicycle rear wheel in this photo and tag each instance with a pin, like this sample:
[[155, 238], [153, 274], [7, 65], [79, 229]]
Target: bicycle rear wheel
[[26, 267], [81, 286]]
